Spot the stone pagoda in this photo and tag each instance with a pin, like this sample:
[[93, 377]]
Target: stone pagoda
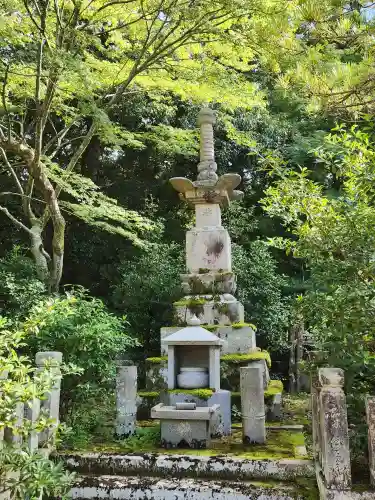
[[209, 283], [209, 346]]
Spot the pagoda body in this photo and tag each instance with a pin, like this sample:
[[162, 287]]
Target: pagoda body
[[209, 283]]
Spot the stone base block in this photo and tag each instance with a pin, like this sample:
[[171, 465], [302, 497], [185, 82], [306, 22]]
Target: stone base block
[[225, 311], [208, 283], [222, 427], [208, 249], [185, 434], [237, 340]]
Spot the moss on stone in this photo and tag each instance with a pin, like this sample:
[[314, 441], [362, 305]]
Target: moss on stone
[[274, 387], [156, 361], [150, 394], [251, 356], [238, 326], [203, 270], [211, 328], [199, 393]]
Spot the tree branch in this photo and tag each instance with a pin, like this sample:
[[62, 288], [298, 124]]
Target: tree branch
[[3, 98], [11, 170], [14, 220]]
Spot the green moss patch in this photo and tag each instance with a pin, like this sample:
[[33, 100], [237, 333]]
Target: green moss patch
[[238, 326], [156, 361], [199, 393], [151, 394], [243, 358], [274, 387], [279, 445]]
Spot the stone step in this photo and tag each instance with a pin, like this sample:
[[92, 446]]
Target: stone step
[[184, 466], [144, 488]]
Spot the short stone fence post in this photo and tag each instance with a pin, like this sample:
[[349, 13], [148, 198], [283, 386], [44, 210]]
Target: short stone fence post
[[126, 400], [252, 403], [3, 376], [370, 413], [331, 433], [51, 404]]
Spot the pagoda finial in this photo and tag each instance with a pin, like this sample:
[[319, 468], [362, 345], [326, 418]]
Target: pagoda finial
[[207, 166]]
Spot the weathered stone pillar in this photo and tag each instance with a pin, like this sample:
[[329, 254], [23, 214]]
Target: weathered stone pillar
[[370, 412], [3, 376], [335, 454], [126, 400], [32, 412], [252, 404], [50, 406], [315, 391]]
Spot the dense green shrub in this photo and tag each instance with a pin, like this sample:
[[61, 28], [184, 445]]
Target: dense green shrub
[[334, 232], [20, 287], [260, 289], [146, 289], [88, 335]]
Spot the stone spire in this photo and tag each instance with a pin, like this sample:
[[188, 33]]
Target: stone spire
[[208, 188], [207, 166], [208, 245]]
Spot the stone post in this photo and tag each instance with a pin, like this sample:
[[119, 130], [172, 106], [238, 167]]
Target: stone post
[[370, 413], [126, 400], [51, 404], [252, 404], [32, 412], [316, 439], [334, 429], [3, 376]]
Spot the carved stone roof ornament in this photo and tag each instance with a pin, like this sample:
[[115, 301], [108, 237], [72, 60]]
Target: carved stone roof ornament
[[208, 187]]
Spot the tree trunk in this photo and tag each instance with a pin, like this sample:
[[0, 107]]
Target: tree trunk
[[37, 171], [40, 257], [299, 352], [292, 359]]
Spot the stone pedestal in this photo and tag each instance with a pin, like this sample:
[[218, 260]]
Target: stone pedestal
[[223, 423], [185, 428], [126, 400], [252, 404]]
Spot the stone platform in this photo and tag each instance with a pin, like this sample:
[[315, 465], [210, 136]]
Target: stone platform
[[150, 488]]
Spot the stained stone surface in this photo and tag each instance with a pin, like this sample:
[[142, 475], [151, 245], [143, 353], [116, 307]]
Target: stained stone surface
[[148, 488], [334, 429], [196, 466], [252, 404], [208, 249], [126, 400], [185, 433]]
